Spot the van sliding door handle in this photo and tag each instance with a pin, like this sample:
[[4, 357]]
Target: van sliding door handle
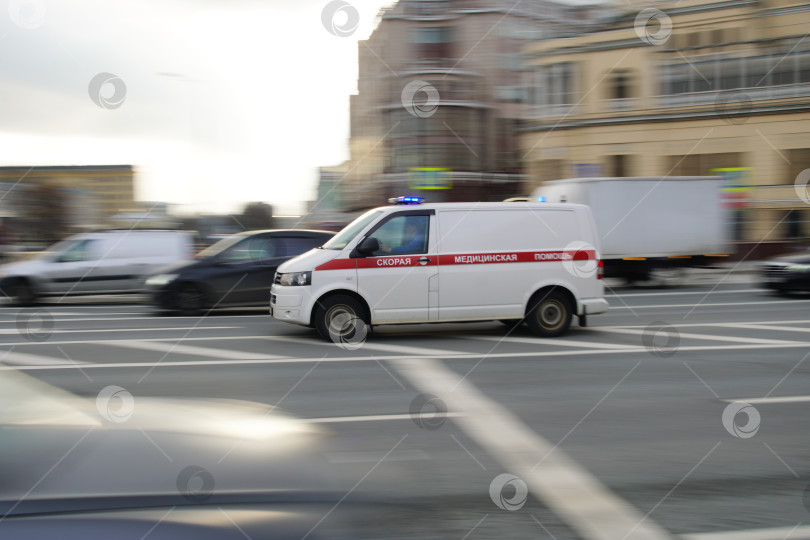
[[424, 260]]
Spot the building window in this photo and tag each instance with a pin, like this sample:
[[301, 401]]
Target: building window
[[619, 166], [621, 85], [432, 42], [553, 87]]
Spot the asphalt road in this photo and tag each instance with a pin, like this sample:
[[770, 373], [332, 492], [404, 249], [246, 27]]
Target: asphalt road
[[682, 412]]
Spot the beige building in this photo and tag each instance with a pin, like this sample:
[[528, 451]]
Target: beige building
[[692, 87], [440, 96], [105, 190]]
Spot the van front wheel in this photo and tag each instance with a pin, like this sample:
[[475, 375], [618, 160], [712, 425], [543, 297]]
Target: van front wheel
[[341, 319], [550, 315]]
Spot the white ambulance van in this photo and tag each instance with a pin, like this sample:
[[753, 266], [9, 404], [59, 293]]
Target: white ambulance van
[[446, 262]]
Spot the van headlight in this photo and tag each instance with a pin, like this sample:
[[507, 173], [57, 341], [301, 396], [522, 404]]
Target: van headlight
[[295, 278], [160, 280]]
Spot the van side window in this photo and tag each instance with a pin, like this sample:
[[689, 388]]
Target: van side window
[[78, 252], [403, 235]]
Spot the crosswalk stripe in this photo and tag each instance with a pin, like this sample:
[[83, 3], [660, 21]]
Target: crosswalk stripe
[[191, 350], [732, 339], [548, 342]]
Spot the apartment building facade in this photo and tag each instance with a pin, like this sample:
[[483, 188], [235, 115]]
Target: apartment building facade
[[440, 96], [693, 87]]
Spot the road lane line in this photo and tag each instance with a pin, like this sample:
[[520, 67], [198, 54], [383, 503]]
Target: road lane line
[[191, 350], [546, 341], [373, 345], [763, 327], [107, 330], [783, 302], [25, 359], [373, 418], [777, 533], [731, 339], [769, 400], [574, 494], [687, 325], [680, 293], [459, 356]]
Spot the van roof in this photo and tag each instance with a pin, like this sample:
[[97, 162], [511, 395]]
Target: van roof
[[483, 206]]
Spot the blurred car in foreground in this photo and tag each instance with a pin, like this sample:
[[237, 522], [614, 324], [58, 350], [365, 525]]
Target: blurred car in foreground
[[787, 273], [130, 467], [104, 262], [236, 271]]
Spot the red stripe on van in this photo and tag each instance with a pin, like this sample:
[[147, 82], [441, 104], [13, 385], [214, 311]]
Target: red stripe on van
[[519, 257], [459, 258], [338, 264]]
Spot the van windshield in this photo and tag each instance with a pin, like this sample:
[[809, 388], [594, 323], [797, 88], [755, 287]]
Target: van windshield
[[342, 239]]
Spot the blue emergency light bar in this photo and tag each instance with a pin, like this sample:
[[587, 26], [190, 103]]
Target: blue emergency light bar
[[406, 200], [541, 199]]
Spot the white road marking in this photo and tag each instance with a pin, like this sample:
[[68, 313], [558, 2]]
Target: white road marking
[[373, 418], [801, 532], [373, 345], [367, 358], [375, 457], [763, 327], [551, 342], [732, 339], [24, 359], [682, 293], [769, 400], [107, 330], [177, 348], [575, 495], [686, 325], [722, 304]]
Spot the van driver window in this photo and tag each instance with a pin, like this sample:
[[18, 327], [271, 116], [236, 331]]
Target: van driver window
[[403, 235]]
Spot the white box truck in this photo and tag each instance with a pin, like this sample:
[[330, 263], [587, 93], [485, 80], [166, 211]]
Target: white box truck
[[650, 226]]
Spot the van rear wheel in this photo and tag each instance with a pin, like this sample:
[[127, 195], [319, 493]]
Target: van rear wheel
[[550, 315], [341, 319]]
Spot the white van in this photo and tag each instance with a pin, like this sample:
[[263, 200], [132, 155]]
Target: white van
[[95, 263], [448, 262]]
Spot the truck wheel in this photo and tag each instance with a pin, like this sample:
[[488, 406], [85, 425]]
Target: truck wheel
[[22, 294], [666, 277], [550, 314], [339, 319], [190, 299]]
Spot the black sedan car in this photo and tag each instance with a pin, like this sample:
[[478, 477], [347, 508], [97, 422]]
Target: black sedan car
[[787, 273], [236, 271]]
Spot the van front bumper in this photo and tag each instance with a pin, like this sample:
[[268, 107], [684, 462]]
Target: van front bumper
[[592, 306], [289, 304]]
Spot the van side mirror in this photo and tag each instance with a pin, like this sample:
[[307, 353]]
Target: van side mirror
[[366, 247]]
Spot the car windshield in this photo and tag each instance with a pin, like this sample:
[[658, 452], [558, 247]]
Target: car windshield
[[217, 248], [58, 248], [342, 239]]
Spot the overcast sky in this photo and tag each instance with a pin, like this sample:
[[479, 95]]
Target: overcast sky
[[216, 102]]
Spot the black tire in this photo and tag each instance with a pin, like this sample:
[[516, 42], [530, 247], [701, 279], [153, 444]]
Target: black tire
[[549, 314], [190, 299], [336, 319], [22, 294]]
